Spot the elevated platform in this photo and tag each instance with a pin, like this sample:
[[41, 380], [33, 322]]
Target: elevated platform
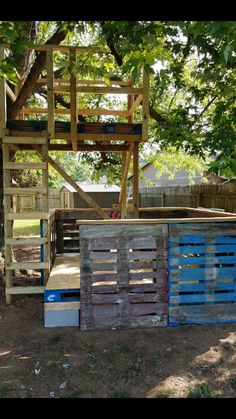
[[118, 133]]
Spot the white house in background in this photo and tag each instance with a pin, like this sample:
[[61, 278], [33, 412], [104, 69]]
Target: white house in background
[[149, 173]]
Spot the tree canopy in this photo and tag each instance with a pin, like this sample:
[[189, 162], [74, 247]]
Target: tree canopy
[[192, 71]]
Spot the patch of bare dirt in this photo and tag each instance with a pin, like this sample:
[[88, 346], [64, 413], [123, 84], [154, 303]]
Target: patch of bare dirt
[[168, 362]]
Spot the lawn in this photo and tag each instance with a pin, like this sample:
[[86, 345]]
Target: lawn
[[26, 228]]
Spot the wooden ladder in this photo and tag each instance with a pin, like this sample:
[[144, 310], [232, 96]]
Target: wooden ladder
[[9, 216]]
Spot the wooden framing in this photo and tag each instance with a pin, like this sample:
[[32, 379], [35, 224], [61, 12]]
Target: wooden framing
[[42, 142], [73, 102]]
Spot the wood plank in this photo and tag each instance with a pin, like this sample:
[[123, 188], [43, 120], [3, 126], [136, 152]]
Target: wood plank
[[17, 165], [101, 90], [8, 225], [136, 103], [79, 111], [43, 80], [25, 191], [202, 274], [50, 92], [73, 102], [24, 140], [19, 241], [145, 105], [135, 181], [62, 306], [27, 265], [65, 273], [24, 290], [27, 216], [84, 195], [199, 314], [10, 93], [126, 164]]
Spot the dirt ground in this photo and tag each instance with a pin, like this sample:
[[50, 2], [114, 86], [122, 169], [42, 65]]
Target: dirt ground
[[165, 362]]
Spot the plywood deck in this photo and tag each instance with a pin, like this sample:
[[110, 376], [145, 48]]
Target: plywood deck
[[65, 273]]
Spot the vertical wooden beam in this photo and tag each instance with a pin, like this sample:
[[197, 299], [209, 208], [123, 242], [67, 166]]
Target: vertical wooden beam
[[145, 104], [3, 103], [123, 202], [45, 208], [50, 92], [123, 188], [8, 224], [130, 103], [136, 180], [73, 102]]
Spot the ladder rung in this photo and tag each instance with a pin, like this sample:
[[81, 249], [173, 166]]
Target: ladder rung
[[25, 290], [27, 265], [15, 241], [27, 216]]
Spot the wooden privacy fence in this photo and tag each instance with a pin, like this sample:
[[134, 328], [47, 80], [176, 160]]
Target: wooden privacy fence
[[123, 276], [222, 196]]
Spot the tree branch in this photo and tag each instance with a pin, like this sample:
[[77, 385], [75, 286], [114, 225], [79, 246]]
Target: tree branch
[[27, 88]]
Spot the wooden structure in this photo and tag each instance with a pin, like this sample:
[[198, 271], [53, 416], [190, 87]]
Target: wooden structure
[[52, 134]]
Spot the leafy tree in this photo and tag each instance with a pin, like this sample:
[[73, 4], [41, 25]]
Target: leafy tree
[[192, 75]]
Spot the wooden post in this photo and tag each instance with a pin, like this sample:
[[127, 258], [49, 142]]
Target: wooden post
[[45, 208], [130, 103], [50, 92], [136, 181], [3, 103], [123, 189], [145, 104], [8, 224], [124, 192], [73, 102]]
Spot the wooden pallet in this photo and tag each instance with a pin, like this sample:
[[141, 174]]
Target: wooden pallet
[[123, 276], [202, 273]]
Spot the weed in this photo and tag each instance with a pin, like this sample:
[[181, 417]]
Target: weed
[[159, 357], [201, 391], [56, 338], [232, 381], [163, 395], [120, 394]]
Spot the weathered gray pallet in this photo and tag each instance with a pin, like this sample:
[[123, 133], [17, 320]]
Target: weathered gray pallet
[[123, 276]]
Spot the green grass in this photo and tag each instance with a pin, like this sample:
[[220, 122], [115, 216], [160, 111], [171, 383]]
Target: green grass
[[26, 228]]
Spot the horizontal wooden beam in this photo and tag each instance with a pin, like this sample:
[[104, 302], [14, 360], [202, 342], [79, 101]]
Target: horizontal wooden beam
[[84, 147], [27, 216], [43, 80], [24, 140], [25, 290], [101, 90], [26, 241], [80, 136], [25, 191], [16, 165], [40, 111], [27, 265]]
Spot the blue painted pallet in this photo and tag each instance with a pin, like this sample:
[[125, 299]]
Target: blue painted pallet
[[202, 273], [65, 295]]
